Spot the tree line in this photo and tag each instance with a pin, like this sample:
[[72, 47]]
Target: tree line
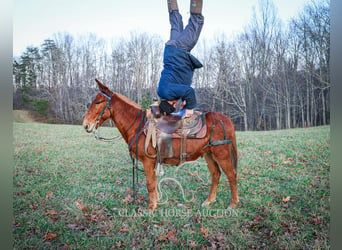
[[270, 76]]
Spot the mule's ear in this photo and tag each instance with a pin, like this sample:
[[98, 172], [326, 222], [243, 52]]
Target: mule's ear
[[102, 87]]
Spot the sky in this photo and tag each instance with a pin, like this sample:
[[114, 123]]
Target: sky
[[37, 20]]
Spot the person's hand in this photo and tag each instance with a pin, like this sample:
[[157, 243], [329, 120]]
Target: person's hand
[[189, 112], [183, 104], [173, 103]]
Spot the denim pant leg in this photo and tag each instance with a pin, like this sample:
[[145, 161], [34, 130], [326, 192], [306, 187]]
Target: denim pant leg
[[176, 24], [188, 38]]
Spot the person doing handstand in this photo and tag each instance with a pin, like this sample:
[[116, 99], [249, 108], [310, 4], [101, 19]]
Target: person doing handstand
[[179, 64]]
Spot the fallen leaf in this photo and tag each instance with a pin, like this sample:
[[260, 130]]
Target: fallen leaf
[[171, 236], [284, 226], [162, 237], [128, 199], [81, 206], [192, 174], [287, 199], [141, 199], [312, 183], [258, 218], [171, 233], [118, 243], [34, 206], [124, 230], [192, 244], [50, 213], [168, 236], [204, 231], [50, 236], [48, 196]]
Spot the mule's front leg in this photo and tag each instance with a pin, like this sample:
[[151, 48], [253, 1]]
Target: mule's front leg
[[151, 181]]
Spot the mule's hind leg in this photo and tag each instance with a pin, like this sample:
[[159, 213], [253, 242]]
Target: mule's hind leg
[[215, 173], [223, 159]]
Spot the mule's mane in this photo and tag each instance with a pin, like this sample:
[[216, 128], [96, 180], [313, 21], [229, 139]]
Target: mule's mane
[[128, 101]]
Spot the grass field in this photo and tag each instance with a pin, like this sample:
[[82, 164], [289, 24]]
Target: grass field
[[73, 192]]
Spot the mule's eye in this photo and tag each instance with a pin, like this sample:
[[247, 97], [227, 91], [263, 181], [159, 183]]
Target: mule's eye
[[97, 103]]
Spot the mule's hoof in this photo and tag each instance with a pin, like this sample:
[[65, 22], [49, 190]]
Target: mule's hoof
[[207, 203], [233, 204], [152, 206]]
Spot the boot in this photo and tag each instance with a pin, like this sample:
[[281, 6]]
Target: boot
[[172, 5], [196, 6]]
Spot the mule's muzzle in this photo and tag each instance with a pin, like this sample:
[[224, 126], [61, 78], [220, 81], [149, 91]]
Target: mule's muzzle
[[88, 126]]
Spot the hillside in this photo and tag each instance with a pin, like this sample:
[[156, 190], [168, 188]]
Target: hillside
[[28, 116]]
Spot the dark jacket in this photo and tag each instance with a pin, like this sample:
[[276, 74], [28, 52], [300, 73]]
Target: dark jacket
[[176, 77]]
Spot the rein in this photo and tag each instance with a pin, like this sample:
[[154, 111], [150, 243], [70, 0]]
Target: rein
[[141, 113], [96, 133], [135, 139]]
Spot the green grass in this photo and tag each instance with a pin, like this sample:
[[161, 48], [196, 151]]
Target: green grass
[[73, 192]]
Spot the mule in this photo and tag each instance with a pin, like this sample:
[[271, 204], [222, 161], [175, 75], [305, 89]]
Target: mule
[[130, 118]]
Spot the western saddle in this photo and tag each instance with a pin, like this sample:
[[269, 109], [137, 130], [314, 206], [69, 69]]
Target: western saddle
[[162, 129]]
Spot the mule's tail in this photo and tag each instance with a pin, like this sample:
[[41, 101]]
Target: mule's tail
[[234, 153]]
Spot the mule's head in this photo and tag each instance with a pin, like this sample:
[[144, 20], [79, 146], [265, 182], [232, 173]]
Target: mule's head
[[99, 109]]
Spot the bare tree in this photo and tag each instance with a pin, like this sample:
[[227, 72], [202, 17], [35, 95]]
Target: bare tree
[[269, 76]]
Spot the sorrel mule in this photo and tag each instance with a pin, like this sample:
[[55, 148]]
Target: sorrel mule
[[129, 119]]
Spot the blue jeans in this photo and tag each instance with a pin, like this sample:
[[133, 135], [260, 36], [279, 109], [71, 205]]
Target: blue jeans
[[179, 65], [185, 38]]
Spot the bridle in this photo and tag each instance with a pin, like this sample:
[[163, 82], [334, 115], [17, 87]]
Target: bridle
[[97, 134], [109, 99], [141, 113]]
